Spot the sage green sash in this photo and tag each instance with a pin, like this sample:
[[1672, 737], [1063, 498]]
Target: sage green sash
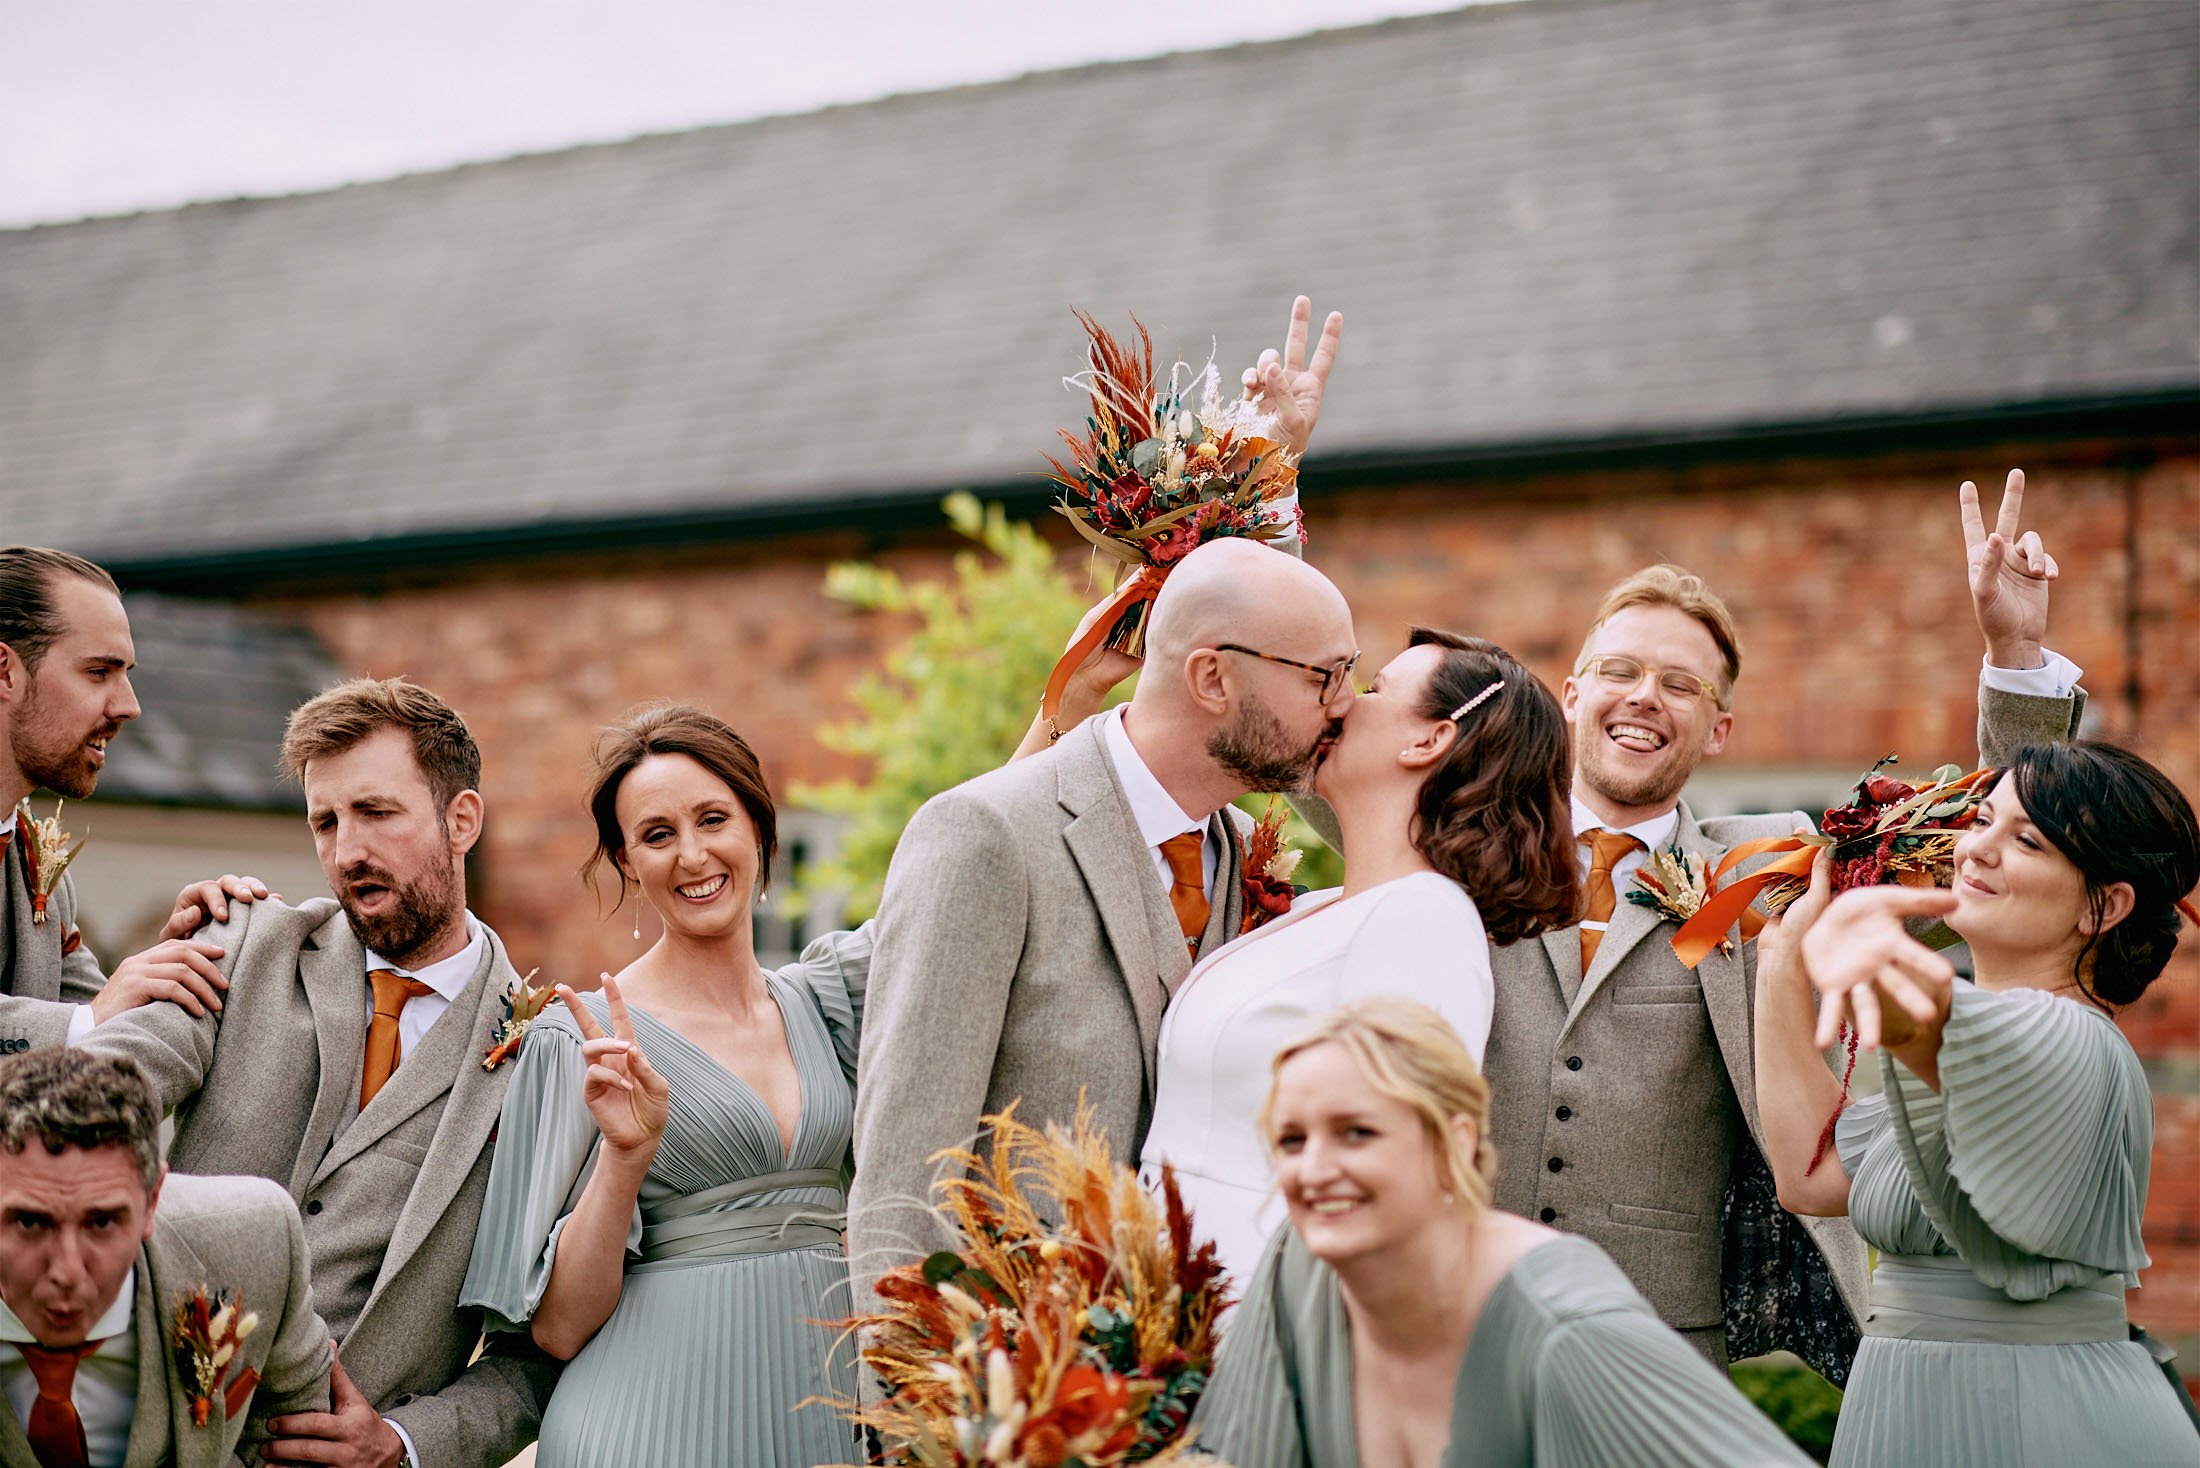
[[1922, 1297], [708, 1225]]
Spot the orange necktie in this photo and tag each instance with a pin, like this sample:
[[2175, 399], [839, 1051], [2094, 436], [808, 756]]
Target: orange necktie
[[391, 990], [56, 1433], [1606, 850], [1187, 887]]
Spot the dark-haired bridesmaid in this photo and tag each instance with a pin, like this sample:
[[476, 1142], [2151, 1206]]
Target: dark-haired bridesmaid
[[2002, 1175], [668, 1192]]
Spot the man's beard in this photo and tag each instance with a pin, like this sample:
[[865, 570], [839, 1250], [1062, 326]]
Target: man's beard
[[422, 911], [1653, 787], [50, 757], [1255, 749]]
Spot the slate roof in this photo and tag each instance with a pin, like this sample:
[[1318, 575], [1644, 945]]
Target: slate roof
[[1549, 221], [216, 685]]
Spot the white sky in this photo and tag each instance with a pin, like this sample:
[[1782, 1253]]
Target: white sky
[[108, 106]]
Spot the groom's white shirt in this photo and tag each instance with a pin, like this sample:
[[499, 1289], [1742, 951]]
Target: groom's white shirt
[[1158, 815]]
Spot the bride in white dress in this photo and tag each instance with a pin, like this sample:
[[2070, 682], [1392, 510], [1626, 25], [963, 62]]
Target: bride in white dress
[[1450, 787]]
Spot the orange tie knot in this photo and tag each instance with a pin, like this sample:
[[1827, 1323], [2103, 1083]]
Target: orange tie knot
[[1187, 884], [391, 993], [1607, 849]]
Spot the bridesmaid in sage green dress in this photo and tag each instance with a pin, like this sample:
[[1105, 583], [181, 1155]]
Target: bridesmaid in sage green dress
[[2002, 1174], [666, 1198], [1399, 1321]]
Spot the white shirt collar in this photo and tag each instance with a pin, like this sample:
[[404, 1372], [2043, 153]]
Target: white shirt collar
[[447, 976], [1655, 833], [1158, 815], [7, 827], [119, 1319]]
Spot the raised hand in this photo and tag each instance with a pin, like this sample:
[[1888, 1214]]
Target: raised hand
[[2010, 574], [1288, 384], [627, 1097], [1869, 970]]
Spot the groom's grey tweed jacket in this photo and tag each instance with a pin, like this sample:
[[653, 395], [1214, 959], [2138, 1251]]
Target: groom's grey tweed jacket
[[1025, 952]]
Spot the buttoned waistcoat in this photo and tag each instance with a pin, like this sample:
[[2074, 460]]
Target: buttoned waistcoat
[[216, 1234], [391, 1194], [1025, 952], [46, 969]]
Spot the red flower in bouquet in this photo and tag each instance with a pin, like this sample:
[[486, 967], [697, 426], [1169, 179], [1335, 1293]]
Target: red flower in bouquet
[[1173, 544], [1164, 464]]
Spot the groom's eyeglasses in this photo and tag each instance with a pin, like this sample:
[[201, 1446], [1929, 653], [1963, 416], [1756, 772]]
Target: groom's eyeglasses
[[1334, 676]]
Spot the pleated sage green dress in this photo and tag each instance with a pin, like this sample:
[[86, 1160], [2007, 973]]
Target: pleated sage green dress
[[734, 1254], [2006, 1214], [1568, 1367]]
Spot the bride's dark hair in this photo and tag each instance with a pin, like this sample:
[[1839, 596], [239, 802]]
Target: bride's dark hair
[[1496, 813]]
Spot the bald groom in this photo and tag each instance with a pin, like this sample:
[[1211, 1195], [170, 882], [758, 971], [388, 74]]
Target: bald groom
[[1037, 918]]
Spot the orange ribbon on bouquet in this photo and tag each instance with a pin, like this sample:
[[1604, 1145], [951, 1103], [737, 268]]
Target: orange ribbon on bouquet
[[1726, 906], [1729, 905], [1139, 588]]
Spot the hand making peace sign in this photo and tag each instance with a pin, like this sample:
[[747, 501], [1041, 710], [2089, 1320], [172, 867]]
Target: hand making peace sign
[[628, 1098], [2010, 574], [1289, 385]]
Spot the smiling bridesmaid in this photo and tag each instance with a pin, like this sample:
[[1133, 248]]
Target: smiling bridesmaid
[[667, 1196]]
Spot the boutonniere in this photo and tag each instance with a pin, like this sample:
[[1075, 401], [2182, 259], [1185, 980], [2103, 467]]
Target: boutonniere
[[209, 1333], [1268, 865], [46, 853], [1676, 884], [522, 1002]]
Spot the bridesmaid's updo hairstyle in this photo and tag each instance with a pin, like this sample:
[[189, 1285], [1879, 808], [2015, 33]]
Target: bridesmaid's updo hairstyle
[[1496, 814], [1408, 1053], [2118, 819], [675, 728]]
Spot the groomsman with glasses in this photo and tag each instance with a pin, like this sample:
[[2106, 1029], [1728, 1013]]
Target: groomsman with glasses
[[1623, 1095]]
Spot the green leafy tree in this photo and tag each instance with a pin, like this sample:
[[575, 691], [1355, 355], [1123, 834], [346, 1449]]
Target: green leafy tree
[[954, 700], [950, 702]]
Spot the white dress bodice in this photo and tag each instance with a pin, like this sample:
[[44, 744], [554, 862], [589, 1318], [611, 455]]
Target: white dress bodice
[[1419, 937]]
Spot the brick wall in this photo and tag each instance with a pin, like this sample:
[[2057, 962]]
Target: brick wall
[[1845, 577]]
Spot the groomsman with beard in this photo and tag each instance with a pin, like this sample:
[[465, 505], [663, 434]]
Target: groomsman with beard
[[101, 1253], [347, 1066], [65, 660], [1623, 1096], [1037, 918]]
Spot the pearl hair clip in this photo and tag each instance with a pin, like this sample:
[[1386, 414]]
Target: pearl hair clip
[[1478, 699]]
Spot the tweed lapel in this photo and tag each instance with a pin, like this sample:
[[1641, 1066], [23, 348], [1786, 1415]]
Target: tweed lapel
[[1728, 992], [450, 1064], [424, 1073], [1103, 841], [32, 955], [1226, 912], [1564, 947], [15, 1443], [332, 969], [153, 1424]]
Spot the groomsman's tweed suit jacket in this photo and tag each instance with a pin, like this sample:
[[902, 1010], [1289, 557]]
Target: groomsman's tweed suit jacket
[[1619, 1098], [215, 1233], [1025, 952], [40, 986], [391, 1194]]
